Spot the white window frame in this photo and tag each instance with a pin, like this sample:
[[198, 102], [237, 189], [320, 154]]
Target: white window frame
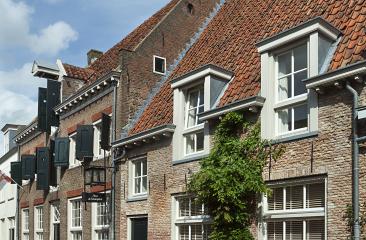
[[178, 221], [25, 224], [73, 162], [304, 214], [72, 229], [95, 227], [129, 225], [132, 177], [11, 227], [38, 222], [154, 70], [54, 206], [98, 151]]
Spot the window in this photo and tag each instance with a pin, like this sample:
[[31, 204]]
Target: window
[[139, 176], [191, 219], [72, 150], [101, 219], [55, 222], [38, 223], [137, 228], [25, 224], [75, 219], [296, 211], [98, 151], [193, 134], [11, 228], [159, 65]]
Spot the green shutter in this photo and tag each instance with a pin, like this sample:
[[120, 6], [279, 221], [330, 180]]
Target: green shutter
[[62, 152], [53, 99], [105, 132], [84, 142], [16, 172], [43, 168], [53, 168], [42, 110], [28, 167]]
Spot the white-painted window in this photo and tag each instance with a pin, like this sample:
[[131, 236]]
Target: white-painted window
[[190, 219], [11, 228], [72, 151], [55, 222], [159, 65], [295, 211], [101, 220], [38, 223], [25, 224], [291, 69], [194, 129], [75, 219], [139, 176]]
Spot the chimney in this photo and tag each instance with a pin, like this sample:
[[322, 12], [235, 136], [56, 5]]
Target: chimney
[[93, 55], [9, 131]]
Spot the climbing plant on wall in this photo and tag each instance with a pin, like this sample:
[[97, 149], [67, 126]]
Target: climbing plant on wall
[[230, 178]]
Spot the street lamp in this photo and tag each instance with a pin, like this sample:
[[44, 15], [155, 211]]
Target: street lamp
[[95, 176]]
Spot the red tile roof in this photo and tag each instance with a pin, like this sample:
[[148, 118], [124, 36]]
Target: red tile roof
[[110, 59], [229, 41]]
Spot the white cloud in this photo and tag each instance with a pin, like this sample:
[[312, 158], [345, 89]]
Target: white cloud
[[15, 29]]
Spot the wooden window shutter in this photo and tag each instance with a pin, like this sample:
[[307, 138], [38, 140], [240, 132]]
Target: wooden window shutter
[[84, 142], [105, 132], [28, 166], [42, 109], [61, 152], [53, 99], [43, 168], [53, 168], [16, 172]]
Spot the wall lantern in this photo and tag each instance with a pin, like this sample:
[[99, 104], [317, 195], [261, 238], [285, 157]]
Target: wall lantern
[[95, 176]]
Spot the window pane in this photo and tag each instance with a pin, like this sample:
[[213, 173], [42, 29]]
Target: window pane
[[137, 168], [315, 195], [144, 166], [294, 230], [193, 99], [191, 118], [144, 184], [315, 230], [285, 119], [202, 98], [190, 142], [275, 230], [299, 85], [294, 197], [196, 232], [275, 201], [196, 208], [183, 207], [200, 140], [184, 232], [301, 116], [300, 57], [137, 185], [284, 88], [284, 64]]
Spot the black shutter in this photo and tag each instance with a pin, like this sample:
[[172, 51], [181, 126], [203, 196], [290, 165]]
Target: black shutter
[[16, 172], [105, 132], [53, 168], [62, 152], [28, 166], [43, 168], [53, 99], [139, 228], [84, 142], [42, 109]]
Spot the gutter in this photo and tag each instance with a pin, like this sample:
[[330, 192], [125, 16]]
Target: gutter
[[250, 103]]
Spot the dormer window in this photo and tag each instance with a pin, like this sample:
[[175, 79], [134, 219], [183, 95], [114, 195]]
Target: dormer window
[[159, 65], [287, 59]]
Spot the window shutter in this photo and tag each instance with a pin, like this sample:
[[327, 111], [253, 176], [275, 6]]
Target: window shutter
[[53, 99], [42, 109], [315, 195], [84, 142], [16, 172], [105, 132], [43, 168], [53, 168], [62, 152], [28, 166]]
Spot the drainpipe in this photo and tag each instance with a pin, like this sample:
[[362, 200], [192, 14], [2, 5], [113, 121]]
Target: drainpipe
[[356, 170], [17, 210]]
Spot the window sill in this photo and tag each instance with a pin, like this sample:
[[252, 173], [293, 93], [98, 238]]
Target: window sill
[[137, 198], [294, 137], [191, 158]]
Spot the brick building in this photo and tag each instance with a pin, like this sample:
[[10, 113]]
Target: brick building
[[139, 62]]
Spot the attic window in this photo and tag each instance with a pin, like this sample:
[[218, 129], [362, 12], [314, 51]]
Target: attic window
[[190, 8], [159, 65]]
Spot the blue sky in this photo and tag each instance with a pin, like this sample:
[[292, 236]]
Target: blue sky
[[56, 29]]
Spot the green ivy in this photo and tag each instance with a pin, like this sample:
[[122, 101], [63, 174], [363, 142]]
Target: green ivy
[[230, 178]]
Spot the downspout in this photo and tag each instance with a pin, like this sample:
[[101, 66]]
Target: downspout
[[17, 210], [356, 170]]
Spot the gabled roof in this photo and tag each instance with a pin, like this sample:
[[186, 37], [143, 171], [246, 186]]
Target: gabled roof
[[110, 60], [229, 41]]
